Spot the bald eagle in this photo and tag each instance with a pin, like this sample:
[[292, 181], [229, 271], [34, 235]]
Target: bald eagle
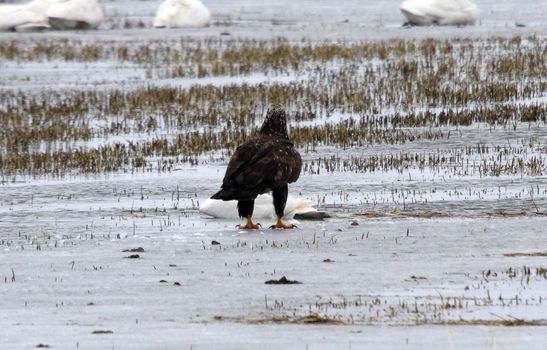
[[266, 163]]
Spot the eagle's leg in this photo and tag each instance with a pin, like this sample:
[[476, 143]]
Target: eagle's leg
[[245, 209], [280, 199]]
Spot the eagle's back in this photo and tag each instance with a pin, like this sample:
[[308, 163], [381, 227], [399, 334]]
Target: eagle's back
[[258, 166]]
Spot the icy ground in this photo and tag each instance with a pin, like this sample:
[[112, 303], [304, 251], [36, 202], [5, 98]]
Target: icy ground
[[393, 282], [410, 260]]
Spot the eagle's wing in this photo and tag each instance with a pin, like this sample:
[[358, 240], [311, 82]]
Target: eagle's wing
[[259, 166], [275, 164], [241, 157]]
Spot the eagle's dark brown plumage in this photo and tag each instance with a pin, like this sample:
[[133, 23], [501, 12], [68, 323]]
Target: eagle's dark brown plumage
[[266, 163]]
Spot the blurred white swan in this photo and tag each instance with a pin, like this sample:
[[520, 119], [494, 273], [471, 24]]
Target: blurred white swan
[[25, 17], [441, 12], [182, 13], [75, 14], [264, 207]]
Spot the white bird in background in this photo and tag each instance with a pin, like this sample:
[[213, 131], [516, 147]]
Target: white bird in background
[[75, 14], [182, 13], [263, 208], [440, 12], [45, 14], [25, 17]]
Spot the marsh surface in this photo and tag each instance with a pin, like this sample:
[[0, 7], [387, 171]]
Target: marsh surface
[[426, 145]]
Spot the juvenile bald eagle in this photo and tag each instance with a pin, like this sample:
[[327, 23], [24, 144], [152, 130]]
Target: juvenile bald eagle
[[266, 163]]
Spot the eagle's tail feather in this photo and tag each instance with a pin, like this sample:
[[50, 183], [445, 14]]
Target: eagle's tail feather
[[226, 194], [217, 195]]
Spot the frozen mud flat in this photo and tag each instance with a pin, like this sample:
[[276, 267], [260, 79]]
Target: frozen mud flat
[[408, 281], [412, 257]]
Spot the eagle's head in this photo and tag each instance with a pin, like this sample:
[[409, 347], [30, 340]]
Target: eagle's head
[[275, 123]]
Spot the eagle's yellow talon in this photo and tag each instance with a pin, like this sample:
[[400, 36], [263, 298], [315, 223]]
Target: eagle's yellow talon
[[281, 224], [250, 225]]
